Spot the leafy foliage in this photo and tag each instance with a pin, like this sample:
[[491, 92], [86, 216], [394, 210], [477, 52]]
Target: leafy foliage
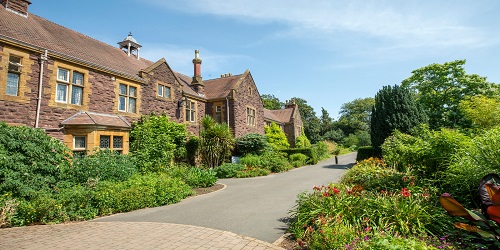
[[228, 170], [364, 153], [192, 150], [484, 112], [355, 115], [302, 141], [271, 102], [217, 141], [298, 160], [251, 144], [30, 160], [193, 176], [428, 152], [470, 163], [101, 165], [441, 87], [395, 108], [312, 124], [155, 141], [276, 137]]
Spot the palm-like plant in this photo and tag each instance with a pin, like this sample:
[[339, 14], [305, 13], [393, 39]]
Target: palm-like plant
[[217, 141]]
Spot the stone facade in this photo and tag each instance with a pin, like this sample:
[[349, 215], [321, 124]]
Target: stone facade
[[153, 86]]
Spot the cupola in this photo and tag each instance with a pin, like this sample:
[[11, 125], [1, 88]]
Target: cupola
[[130, 46]]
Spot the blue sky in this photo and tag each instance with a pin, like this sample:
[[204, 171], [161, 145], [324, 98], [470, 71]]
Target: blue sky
[[327, 52]]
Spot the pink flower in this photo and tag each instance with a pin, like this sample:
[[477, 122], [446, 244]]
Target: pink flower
[[405, 192]]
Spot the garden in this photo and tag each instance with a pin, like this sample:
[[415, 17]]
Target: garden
[[42, 183], [429, 180]]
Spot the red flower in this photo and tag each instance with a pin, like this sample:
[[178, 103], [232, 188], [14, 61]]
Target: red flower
[[326, 194], [336, 190], [405, 192]]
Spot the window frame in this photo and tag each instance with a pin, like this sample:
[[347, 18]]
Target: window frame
[[218, 113], [17, 72], [164, 89], [127, 97], [112, 142], [70, 84], [251, 116], [190, 111]]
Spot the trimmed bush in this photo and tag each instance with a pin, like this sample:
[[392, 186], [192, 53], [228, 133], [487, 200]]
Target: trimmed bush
[[365, 153], [275, 161], [251, 160], [298, 160], [310, 152], [251, 144], [252, 172]]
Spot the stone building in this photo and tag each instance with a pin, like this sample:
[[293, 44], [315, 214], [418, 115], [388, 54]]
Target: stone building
[[88, 93], [288, 119]]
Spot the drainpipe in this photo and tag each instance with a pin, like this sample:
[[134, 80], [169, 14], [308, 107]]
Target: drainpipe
[[227, 110], [43, 58]]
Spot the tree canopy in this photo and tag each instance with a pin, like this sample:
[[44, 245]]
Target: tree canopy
[[355, 115], [441, 87], [271, 102]]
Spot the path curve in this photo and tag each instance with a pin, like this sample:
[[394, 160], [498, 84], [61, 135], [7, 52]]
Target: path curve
[[255, 207]]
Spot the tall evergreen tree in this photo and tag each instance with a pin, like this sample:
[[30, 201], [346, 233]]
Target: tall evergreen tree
[[395, 108]]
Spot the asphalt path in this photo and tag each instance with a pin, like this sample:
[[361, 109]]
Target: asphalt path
[[256, 207]]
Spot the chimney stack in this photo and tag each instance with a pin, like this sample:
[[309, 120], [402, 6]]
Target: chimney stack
[[291, 104], [17, 6], [197, 82]]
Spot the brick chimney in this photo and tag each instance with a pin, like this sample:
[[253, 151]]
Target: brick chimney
[[17, 6], [197, 82], [291, 105]]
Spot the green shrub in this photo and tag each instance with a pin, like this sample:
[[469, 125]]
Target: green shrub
[[469, 164], [251, 160], [193, 176], [101, 165], [228, 170], [298, 160], [30, 160], [322, 150], [310, 152], [374, 175], [155, 141], [428, 152], [140, 191], [302, 141], [217, 141], [192, 150], [252, 172], [275, 161], [276, 137], [251, 144], [365, 153]]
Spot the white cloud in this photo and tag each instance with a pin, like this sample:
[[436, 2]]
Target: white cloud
[[410, 24], [180, 58]]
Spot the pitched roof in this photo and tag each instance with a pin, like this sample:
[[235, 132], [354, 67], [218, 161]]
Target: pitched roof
[[39, 33], [186, 84], [91, 118], [221, 87], [280, 115]]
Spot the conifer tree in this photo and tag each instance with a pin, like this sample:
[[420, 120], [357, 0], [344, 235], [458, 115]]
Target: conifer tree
[[395, 108]]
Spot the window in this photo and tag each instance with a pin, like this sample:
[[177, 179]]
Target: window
[[251, 116], [79, 146], [164, 91], [69, 86], [13, 75], [218, 113], [127, 98], [190, 111], [111, 142]]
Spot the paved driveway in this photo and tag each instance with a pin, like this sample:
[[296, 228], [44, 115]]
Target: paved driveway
[[255, 207]]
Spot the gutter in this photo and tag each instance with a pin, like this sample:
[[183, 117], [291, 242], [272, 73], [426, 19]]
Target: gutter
[[227, 111], [43, 58]]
